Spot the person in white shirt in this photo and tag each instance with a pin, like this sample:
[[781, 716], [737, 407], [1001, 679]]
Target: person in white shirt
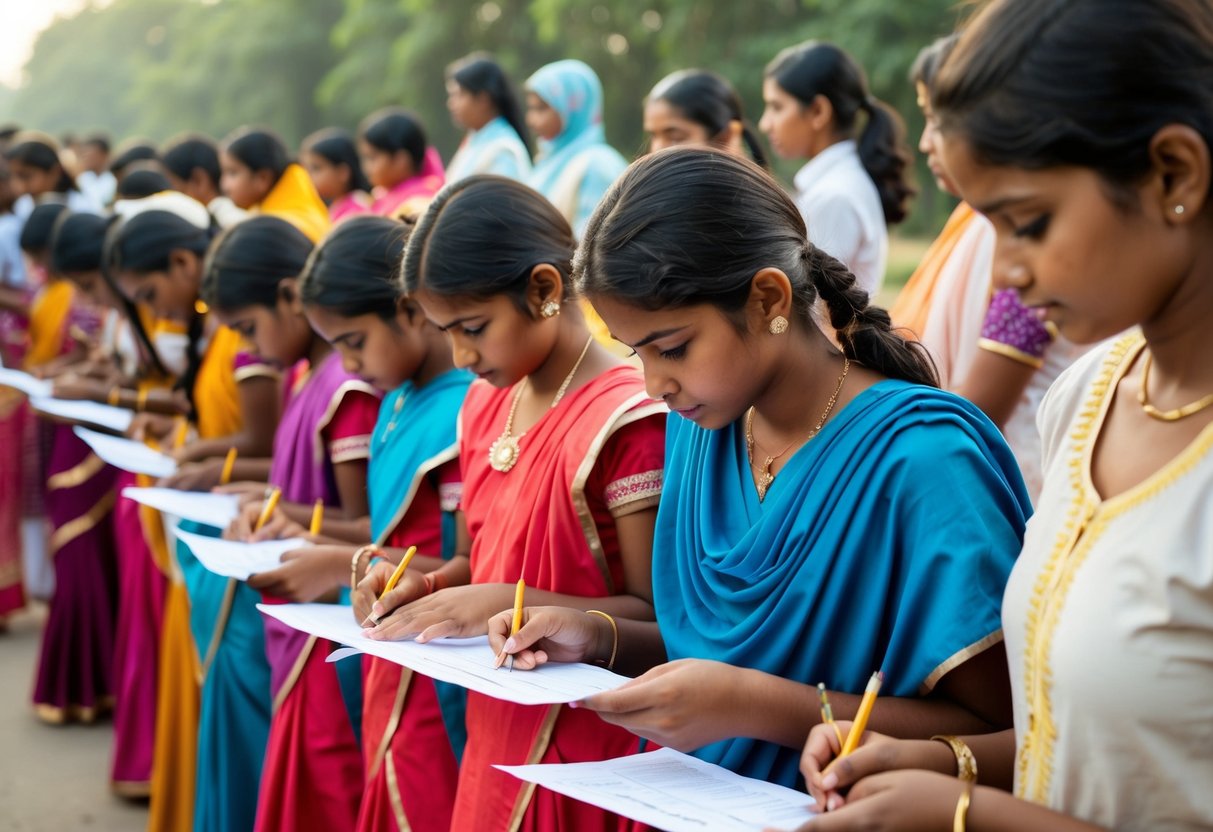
[[854, 184], [94, 178]]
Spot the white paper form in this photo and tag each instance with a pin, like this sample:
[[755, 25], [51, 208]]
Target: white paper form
[[675, 792], [233, 559], [217, 510], [465, 662], [26, 383], [116, 419], [128, 454]]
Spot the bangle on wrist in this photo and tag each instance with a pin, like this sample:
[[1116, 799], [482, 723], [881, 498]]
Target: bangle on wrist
[[610, 665], [115, 397], [962, 807], [966, 763], [359, 554], [141, 399]]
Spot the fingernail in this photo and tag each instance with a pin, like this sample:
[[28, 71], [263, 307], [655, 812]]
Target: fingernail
[[510, 646], [830, 781], [833, 803], [574, 704]]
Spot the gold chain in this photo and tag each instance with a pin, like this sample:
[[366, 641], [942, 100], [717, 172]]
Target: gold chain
[[764, 477], [1175, 415]]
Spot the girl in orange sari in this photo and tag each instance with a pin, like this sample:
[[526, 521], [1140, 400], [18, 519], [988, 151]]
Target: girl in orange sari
[[561, 453]]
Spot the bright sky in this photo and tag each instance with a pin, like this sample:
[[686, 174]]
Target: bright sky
[[20, 23]]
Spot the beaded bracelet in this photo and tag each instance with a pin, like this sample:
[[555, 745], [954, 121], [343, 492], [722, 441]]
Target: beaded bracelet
[[610, 665]]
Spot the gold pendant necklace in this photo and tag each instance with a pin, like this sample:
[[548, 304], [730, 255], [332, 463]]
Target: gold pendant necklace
[[1143, 398], [505, 450], [763, 478]]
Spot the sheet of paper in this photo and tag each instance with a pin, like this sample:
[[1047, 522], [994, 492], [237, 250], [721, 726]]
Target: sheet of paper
[[464, 662], [116, 419], [26, 383], [233, 559], [198, 506], [674, 791], [127, 454]]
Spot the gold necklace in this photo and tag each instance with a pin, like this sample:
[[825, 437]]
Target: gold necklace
[[1166, 415], [505, 450], [762, 475]]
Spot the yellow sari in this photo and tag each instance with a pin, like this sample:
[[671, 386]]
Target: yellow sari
[[294, 198]]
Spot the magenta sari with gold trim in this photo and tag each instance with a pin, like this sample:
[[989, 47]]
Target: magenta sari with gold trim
[[534, 523]]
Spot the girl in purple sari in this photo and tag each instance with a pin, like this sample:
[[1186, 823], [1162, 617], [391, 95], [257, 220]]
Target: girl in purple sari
[[320, 453]]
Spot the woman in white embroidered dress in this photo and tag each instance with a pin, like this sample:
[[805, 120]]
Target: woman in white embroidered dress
[[1097, 178]]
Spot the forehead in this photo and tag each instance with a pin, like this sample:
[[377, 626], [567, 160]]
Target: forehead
[[446, 309], [631, 324], [982, 184]]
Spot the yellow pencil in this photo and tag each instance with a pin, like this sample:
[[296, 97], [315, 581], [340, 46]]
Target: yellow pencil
[[861, 717], [516, 625], [827, 713], [228, 465], [393, 580], [268, 510], [317, 518]]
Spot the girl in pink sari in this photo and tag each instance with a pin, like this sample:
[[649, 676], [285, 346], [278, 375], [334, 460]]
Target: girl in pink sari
[[561, 453], [404, 169], [330, 157], [312, 774]]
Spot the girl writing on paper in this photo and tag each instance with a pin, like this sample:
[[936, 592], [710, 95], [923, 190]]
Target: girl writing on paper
[[561, 454], [827, 512], [1103, 219]]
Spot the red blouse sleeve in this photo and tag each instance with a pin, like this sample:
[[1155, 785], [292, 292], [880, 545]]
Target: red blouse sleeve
[[627, 475], [348, 433]]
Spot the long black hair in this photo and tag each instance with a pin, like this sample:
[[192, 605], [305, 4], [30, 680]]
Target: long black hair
[[1035, 84], [250, 259], [144, 244], [143, 182], [130, 152], [337, 147], [709, 100], [686, 226], [479, 72], [393, 129], [482, 236], [185, 154], [41, 152], [258, 150], [77, 242], [816, 68], [354, 270]]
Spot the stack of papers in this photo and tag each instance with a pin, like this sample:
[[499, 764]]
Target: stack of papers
[[127, 454], [233, 559], [464, 662], [217, 510], [674, 791]]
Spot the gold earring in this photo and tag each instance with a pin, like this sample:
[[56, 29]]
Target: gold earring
[[550, 309], [778, 325]]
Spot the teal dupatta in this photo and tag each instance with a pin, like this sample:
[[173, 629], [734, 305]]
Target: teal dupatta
[[883, 544]]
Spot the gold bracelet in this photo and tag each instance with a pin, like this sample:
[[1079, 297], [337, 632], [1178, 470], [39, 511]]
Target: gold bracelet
[[115, 396], [141, 399], [966, 763], [962, 808], [358, 553], [615, 630]]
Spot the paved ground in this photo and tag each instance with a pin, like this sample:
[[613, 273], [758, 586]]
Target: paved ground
[[52, 779]]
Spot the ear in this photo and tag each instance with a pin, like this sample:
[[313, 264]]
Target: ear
[[1179, 158], [264, 179], [770, 297], [182, 262], [408, 313], [288, 294], [820, 113], [545, 285]]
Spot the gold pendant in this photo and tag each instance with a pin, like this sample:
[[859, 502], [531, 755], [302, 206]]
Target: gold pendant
[[504, 452], [764, 482]]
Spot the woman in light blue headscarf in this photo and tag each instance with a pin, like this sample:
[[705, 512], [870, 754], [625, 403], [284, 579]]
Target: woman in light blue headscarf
[[575, 165]]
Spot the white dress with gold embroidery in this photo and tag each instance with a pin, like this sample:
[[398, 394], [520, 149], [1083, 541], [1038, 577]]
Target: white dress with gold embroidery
[[1108, 618]]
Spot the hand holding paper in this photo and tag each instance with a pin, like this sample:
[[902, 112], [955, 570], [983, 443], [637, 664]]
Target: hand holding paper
[[237, 560]]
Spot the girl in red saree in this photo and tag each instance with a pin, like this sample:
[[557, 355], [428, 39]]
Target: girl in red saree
[[561, 452]]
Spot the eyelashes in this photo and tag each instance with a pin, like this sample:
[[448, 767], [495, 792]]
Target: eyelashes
[[1035, 229]]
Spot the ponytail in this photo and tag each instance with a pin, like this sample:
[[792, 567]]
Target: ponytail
[[865, 332], [817, 68], [883, 155]]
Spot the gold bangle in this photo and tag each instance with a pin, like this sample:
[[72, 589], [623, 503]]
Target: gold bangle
[[610, 665], [115, 397], [358, 553], [962, 808], [141, 399], [966, 763]]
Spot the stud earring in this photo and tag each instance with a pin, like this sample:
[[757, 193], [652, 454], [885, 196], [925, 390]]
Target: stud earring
[[550, 309], [778, 325], [1179, 209]]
